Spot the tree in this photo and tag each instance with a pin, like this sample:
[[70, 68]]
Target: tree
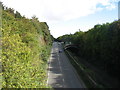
[[18, 15]]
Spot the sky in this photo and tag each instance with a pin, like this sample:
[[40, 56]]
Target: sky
[[67, 16]]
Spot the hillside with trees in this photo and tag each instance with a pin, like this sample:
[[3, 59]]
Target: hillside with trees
[[99, 46], [26, 45]]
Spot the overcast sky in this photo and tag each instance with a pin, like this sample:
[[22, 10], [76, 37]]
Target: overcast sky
[[67, 16]]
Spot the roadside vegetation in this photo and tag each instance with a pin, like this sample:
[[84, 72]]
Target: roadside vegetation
[[99, 47], [26, 45]]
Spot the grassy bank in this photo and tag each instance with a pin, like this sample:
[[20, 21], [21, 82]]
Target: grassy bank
[[100, 48], [87, 75], [26, 45]]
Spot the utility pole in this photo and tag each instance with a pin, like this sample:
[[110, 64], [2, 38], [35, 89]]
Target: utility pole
[[119, 10]]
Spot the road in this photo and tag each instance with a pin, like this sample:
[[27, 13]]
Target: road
[[61, 74]]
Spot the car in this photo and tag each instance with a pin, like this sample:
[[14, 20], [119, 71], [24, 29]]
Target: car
[[60, 51]]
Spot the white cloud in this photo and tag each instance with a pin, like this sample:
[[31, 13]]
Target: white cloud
[[71, 9], [110, 7], [58, 11], [54, 10]]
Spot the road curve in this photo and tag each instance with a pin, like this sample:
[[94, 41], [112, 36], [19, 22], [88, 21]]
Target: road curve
[[61, 74]]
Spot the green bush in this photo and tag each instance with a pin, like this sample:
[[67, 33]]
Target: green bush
[[100, 46], [24, 52]]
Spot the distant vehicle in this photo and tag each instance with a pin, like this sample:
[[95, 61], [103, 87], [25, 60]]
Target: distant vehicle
[[60, 51]]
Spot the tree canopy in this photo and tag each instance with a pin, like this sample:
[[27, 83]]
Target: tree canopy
[[100, 46]]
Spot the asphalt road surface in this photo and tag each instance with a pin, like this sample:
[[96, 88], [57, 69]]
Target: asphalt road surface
[[61, 74]]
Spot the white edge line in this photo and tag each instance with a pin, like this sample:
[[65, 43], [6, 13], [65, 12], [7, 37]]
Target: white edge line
[[82, 68], [49, 63]]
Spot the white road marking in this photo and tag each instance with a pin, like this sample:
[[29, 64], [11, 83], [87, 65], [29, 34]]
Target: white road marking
[[49, 66], [75, 61], [60, 66], [65, 80]]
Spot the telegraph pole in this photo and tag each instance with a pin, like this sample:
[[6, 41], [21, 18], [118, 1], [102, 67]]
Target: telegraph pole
[[119, 10]]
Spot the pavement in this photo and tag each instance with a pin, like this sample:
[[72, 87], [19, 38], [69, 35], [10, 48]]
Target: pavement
[[61, 74]]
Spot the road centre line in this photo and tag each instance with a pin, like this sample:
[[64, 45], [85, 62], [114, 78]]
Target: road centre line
[[60, 65]]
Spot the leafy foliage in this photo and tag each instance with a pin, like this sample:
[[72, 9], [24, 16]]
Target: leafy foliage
[[100, 46], [25, 49]]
